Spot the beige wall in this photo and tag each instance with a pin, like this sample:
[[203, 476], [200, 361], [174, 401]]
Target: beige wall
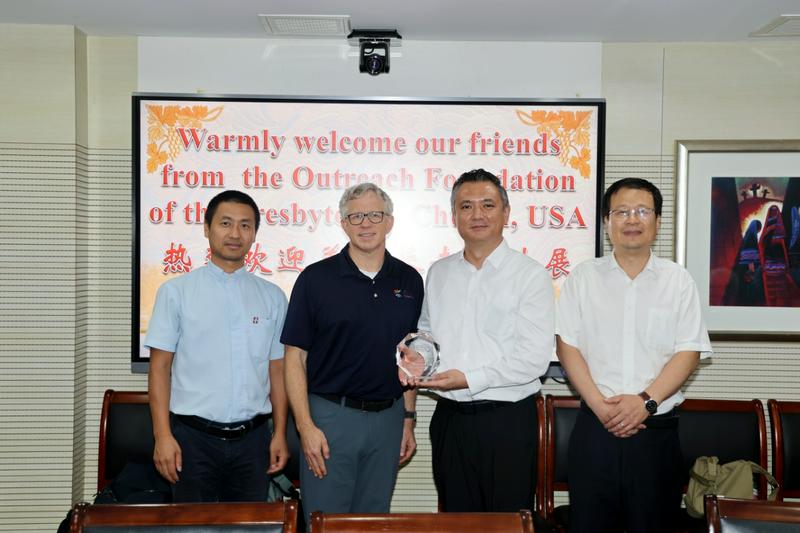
[[38, 83], [65, 270], [658, 93], [65, 166], [112, 67]]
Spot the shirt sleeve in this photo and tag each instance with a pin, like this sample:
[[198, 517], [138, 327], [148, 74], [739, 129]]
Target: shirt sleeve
[[297, 328], [691, 333], [276, 346], [533, 339], [424, 322], [164, 328], [568, 312], [420, 290]]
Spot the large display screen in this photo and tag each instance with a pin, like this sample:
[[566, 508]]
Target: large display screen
[[296, 156]]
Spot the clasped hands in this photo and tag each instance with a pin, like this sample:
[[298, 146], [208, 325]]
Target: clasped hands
[[622, 415]]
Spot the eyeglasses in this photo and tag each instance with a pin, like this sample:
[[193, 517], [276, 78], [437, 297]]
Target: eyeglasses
[[643, 213], [358, 218]]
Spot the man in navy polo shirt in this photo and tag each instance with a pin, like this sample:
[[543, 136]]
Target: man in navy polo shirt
[[216, 368], [346, 316]]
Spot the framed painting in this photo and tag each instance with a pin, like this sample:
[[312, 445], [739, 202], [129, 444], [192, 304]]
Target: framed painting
[[737, 231]]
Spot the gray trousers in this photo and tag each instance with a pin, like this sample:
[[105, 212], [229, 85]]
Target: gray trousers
[[365, 452]]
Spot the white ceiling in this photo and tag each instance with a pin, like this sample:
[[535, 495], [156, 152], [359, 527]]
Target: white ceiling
[[449, 20]]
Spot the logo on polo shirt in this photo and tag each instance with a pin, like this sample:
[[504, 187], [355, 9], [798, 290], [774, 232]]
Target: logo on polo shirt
[[400, 293]]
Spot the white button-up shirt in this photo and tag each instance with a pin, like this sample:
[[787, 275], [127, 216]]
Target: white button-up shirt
[[495, 324], [628, 329], [223, 329]]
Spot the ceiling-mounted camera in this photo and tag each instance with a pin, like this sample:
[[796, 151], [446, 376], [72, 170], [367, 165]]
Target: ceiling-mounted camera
[[373, 49]]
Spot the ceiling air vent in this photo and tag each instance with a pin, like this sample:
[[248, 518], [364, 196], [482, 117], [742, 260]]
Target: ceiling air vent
[[306, 25]]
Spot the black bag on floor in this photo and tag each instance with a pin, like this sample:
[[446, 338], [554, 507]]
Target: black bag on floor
[[136, 483]]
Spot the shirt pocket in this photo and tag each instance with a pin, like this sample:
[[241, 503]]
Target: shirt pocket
[[660, 333], [500, 322], [260, 334]]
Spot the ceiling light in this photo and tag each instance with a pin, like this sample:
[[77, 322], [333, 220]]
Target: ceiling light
[[306, 25]]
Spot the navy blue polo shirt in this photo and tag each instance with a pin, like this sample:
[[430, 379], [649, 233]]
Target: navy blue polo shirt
[[350, 325]]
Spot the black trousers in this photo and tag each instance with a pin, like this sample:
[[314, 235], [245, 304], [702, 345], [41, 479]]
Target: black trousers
[[484, 455], [624, 484], [216, 469]]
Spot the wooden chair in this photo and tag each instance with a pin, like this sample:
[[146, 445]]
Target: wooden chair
[[541, 456], [126, 433], [728, 429], [724, 515], [561, 413], [278, 517], [784, 417], [521, 522]]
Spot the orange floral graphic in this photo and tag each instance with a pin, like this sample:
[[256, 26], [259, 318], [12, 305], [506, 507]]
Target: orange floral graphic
[[569, 127], [164, 143], [581, 162]]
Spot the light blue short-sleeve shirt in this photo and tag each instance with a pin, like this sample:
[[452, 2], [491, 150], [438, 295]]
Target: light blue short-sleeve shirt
[[223, 329]]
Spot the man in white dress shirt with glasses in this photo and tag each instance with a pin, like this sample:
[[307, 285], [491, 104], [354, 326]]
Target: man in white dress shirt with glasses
[[629, 335]]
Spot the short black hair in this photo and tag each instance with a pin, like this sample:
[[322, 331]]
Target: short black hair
[[237, 197], [632, 183], [474, 176]]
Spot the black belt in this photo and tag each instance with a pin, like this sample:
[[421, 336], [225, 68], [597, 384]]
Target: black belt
[[668, 420], [471, 408], [222, 430], [354, 403]]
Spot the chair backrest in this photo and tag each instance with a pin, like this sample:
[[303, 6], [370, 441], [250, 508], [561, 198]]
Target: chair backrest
[[724, 515], [784, 418], [561, 413], [261, 517], [521, 522], [541, 455], [727, 429], [126, 433]]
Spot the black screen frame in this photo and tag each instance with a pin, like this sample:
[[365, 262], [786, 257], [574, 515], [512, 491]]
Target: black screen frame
[[140, 365]]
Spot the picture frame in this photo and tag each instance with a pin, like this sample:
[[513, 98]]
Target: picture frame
[[697, 229]]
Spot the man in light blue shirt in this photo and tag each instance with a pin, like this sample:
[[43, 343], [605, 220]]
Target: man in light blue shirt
[[216, 368]]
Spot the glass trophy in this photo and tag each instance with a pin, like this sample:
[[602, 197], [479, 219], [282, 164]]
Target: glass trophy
[[423, 360]]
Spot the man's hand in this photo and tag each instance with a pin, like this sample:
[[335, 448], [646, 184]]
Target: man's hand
[[448, 380], [278, 453], [409, 443], [167, 458], [625, 416], [315, 448]]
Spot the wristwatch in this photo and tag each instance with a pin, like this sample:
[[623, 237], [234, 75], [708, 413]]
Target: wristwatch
[[411, 415], [649, 404]]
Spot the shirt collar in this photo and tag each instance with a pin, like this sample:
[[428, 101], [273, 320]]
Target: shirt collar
[[218, 273], [495, 258], [348, 268], [650, 266]]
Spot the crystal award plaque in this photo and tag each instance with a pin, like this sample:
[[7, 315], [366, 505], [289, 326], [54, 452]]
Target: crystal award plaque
[[423, 360]]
